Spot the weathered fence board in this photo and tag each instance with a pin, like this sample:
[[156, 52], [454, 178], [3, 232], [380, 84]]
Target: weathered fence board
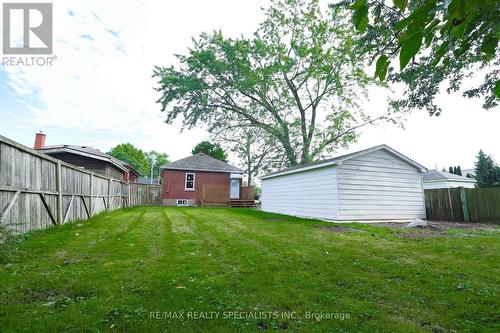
[[444, 204], [214, 195], [38, 191], [484, 204], [481, 204], [247, 193], [141, 195]]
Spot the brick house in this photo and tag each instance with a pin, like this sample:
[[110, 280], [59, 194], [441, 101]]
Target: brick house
[[200, 180]]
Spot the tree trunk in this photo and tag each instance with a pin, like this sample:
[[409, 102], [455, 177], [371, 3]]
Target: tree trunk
[[248, 151], [306, 156]]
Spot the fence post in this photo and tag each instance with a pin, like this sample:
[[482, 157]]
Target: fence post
[[91, 201], [463, 199], [451, 205], [109, 193], [148, 194], [124, 197], [59, 193], [129, 202]]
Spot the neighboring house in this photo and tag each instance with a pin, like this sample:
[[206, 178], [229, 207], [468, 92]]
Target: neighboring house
[[132, 175], [146, 180], [378, 183], [88, 158], [441, 179], [200, 180], [471, 173]]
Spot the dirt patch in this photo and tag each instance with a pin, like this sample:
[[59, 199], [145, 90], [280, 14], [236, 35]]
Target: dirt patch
[[392, 225], [61, 254], [465, 225], [337, 229], [443, 225], [424, 235]]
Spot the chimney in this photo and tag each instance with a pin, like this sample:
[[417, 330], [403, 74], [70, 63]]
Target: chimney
[[39, 140]]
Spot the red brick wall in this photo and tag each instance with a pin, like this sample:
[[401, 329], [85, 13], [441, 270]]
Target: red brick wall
[[173, 183]]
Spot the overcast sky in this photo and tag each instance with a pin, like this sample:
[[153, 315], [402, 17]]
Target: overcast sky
[[100, 91]]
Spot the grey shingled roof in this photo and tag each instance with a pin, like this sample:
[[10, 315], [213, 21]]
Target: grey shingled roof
[[85, 151], [442, 175], [201, 162]]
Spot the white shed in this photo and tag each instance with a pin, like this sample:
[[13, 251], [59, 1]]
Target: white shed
[[441, 179], [378, 183]]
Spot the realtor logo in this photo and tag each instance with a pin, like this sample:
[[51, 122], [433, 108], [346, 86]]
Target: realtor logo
[[27, 28]]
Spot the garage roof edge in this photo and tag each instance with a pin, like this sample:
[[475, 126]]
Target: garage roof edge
[[339, 159]]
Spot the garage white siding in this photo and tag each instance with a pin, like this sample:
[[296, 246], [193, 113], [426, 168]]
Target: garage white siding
[[379, 185], [311, 193]]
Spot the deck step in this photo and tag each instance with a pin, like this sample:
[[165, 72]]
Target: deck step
[[243, 203]]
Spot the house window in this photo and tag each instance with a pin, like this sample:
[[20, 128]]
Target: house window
[[182, 202], [190, 180]]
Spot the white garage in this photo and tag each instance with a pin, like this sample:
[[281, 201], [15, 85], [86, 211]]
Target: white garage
[[378, 183]]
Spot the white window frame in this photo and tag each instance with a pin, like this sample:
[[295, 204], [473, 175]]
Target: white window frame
[[186, 180], [182, 202]]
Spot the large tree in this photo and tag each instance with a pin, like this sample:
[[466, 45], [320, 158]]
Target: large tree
[[487, 172], [257, 152], [211, 149], [127, 152], [300, 80], [437, 42]]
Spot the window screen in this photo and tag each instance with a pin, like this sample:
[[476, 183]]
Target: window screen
[[189, 181]]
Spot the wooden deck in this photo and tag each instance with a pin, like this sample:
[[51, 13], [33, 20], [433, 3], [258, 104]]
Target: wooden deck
[[243, 203]]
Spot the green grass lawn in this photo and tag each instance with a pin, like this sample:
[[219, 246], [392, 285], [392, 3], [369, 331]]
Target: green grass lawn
[[251, 269]]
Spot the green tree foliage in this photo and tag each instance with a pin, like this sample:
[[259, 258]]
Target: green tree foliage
[[437, 41], [487, 172], [299, 79], [257, 192], [138, 159], [126, 152], [211, 149], [159, 160], [456, 170]]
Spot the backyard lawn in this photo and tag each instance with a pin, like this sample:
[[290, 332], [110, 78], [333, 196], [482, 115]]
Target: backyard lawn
[[196, 269]]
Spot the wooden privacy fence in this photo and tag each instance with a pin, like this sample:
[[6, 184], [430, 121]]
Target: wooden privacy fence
[[247, 193], [144, 195], [463, 204], [218, 195], [214, 195], [37, 191]]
